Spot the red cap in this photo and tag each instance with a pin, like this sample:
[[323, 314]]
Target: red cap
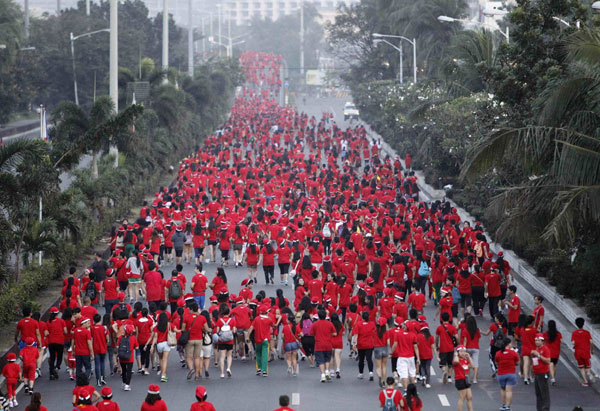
[[86, 393], [53, 310], [500, 253], [109, 272], [118, 251], [121, 295], [245, 282], [387, 291], [11, 356], [314, 300], [213, 299], [201, 392], [29, 341], [180, 302], [461, 348], [263, 309], [382, 321], [106, 392], [327, 258], [129, 329], [539, 336], [153, 389]]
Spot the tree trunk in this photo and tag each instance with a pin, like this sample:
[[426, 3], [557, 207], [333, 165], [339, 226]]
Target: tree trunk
[[94, 165]]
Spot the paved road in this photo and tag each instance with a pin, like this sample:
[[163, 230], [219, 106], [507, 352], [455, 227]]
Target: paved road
[[245, 391]]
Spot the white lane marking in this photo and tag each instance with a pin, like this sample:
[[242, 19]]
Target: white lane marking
[[444, 400], [431, 370], [295, 398]]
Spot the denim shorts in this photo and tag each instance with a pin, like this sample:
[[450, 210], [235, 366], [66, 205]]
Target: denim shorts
[[507, 380], [322, 357], [293, 346]]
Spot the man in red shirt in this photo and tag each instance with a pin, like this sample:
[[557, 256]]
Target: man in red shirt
[[199, 282], [492, 290], [389, 393], [241, 313], [417, 299], [99, 345], [540, 357], [445, 345], [27, 327], [405, 348], [323, 331], [110, 289], [582, 344], [262, 334], [154, 283], [196, 324], [82, 347], [514, 309]]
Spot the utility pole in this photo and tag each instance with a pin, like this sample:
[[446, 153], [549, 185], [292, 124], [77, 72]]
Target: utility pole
[[165, 37], [114, 66], [26, 20], [203, 41], [58, 7], [302, 39], [230, 48], [211, 31], [401, 68], [219, 6], [87, 7], [190, 40]]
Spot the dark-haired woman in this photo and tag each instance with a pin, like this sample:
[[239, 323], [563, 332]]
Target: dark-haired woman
[[153, 401], [267, 257], [553, 339], [427, 350], [469, 337], [252, 256], [36, 403], [55, 333], [380, 350], [338, 343]]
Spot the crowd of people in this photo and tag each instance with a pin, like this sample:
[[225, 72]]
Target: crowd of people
[[314, 208]]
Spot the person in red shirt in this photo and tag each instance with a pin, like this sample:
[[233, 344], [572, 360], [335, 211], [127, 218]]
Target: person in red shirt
[[226, 330], [506, 360], [82, 347], [406, 349], [417, 299], [29, 355], [201, 404], [538, 313], [154, 284], [445, 345], [469, 337], [199, 283], [153, 401], [196, 325], [27, 327], [583, 347], [553, 339], [106, 403], [492, 290], [284, 402], [363, 336], [540, 358], [323, 331], [99, 344], [55, 334], [12, 372], [110, 289], [389, 393], [514, 309], [127, 363], [262, 334], [426, 344], [462, 363]]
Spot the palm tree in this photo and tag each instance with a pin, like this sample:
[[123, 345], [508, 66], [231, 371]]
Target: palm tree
[[79, 132], [560, 154]]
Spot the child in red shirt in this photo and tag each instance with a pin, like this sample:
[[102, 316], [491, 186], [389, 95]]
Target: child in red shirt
[[12, 373], [29, 354], [201, 404], [107, 404]]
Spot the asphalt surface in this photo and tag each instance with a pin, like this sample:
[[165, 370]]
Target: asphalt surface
[[245, 391]]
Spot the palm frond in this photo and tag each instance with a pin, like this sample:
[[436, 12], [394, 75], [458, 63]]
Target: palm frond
[[584, 46]]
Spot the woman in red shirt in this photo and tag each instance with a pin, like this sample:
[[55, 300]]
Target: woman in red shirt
[[337, 343], [506, 360], [224, 246], [36, 403], [290, 333], [55, 334], [219, 283], [553, 339], [469, 337], [462, 362], [363, 340], [380, 350], [252, 254], [225, 329], [267, 256], [426, 344], [160, 332], [127, 364], [283, 260]]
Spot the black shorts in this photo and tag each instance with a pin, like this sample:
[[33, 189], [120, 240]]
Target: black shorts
[[554, 361], [465, 300], [446, 358], [461, 385], [361, 277], [178, 253], [322, 357], [123, 285], [168, 250], [212, 242], [224, 347]]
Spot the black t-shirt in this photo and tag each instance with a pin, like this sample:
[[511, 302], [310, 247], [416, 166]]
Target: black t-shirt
[[99, 268]]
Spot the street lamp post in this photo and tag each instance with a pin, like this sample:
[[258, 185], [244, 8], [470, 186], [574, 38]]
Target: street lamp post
[[413, 42], [73, 38], [165, 37], [190, 41], [302, 38], [113, 71], [447, 19]]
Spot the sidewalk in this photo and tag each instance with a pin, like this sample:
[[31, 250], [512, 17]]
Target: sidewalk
[[562, 310]]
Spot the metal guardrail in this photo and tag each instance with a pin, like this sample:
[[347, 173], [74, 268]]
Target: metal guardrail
[[11, 131]]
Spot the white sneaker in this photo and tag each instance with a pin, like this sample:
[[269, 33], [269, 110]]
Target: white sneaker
[[427, 385], [127, 388], [360, 376], [322, 377], [15, 402], [11, 404]]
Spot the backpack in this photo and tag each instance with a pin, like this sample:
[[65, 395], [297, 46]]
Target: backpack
[[455, 296], [326, 231], [389, 405], [306, 324], [90, 290], [423, 269], [124, 349], [498, 339], [225, 334], [175, 290]]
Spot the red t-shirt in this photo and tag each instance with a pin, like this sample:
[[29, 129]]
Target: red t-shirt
[[390, 393], [461, 369], [493, 282], [506, 361], [99, 333], [323, 331], [417, 300], [56, 331], [197, 327], [513, 315], [154, 285], [27, 327], [581, 343], [540, 367], [242, 313], [81, 336], [405, 344], [471, 342], [445, 340], [554, 346], [107, 405], [262, 328], [365, 330], [11, 370], [157, 406], [226, 320], [144, 328], [204, 406], [110, 289], [425, 350], [133, 344], [200, 281]]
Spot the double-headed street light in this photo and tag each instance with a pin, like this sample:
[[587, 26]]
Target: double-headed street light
[[413, 42], [447, 19], [73, 38]]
